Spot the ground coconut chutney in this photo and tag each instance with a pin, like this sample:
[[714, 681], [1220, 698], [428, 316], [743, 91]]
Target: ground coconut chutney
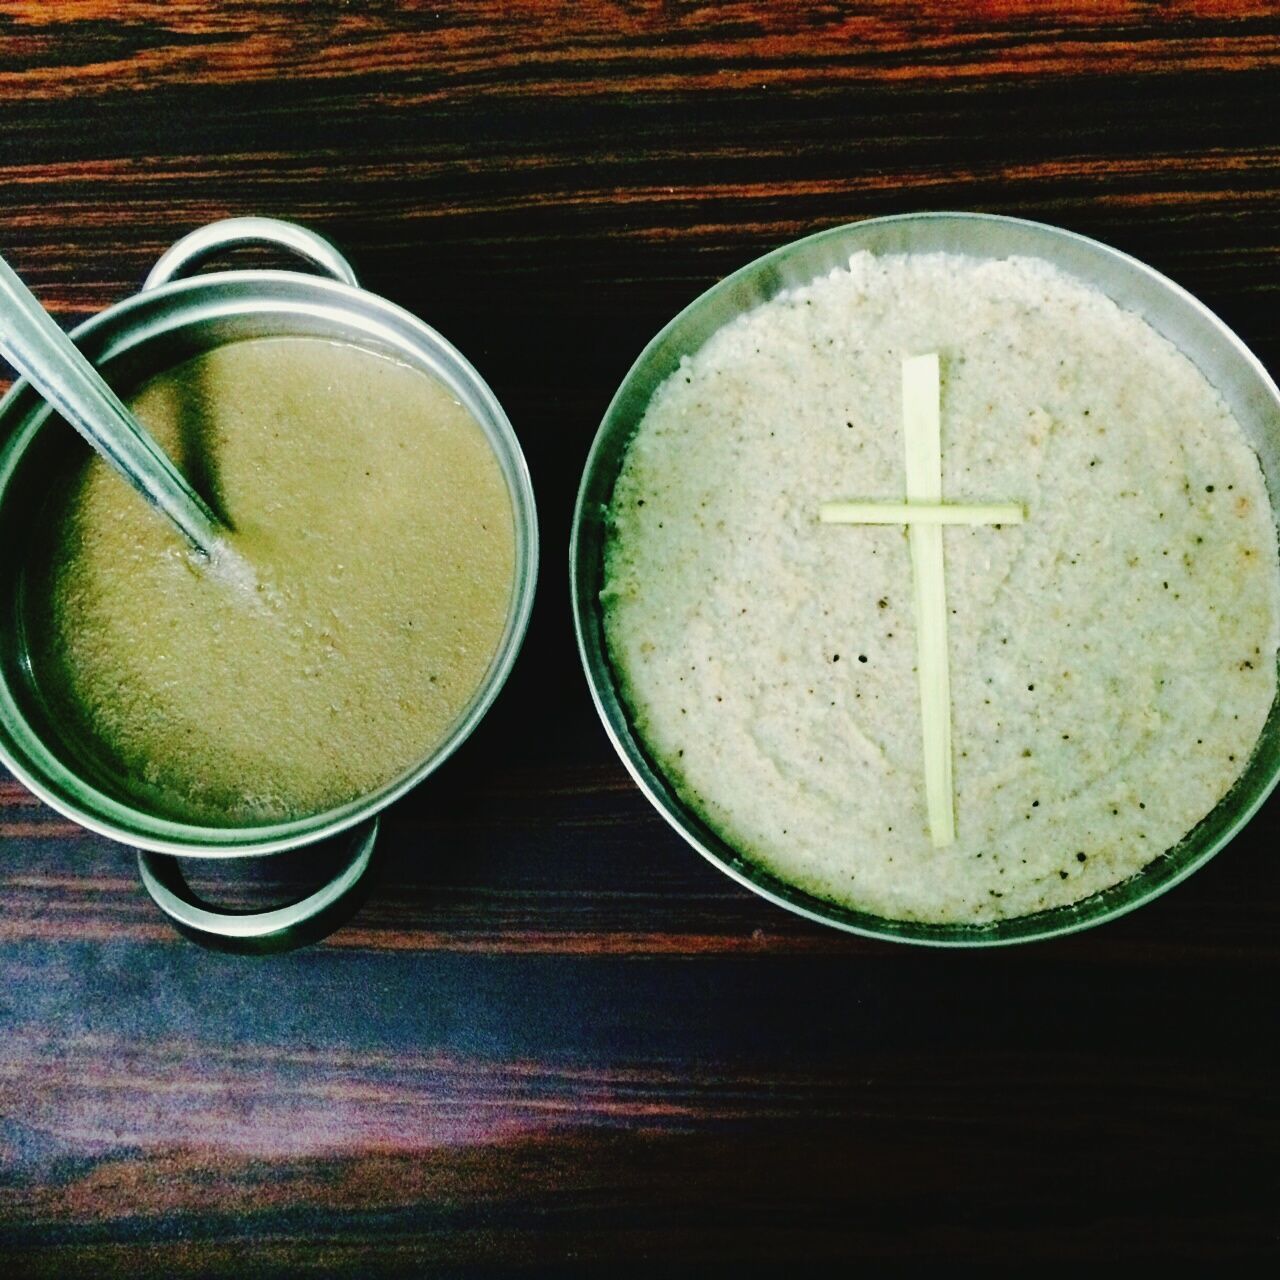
[[1112, 658]]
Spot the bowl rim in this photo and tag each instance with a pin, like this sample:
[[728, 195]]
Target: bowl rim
[[140, 318], [1150, 882]]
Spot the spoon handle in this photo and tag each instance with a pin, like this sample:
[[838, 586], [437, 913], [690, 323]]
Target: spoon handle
[[32, 341]]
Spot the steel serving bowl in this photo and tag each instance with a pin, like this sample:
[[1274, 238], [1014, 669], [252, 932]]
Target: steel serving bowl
[[170, 321], [1171, 310]]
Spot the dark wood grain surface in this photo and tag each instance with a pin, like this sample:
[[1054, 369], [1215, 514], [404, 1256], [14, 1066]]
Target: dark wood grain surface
[[554, 1040]]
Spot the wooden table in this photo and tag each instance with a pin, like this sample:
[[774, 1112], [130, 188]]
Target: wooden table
[[554, 1038]]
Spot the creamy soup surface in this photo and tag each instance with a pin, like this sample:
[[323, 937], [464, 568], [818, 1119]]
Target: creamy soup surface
[[374, 535], [1113, 659]]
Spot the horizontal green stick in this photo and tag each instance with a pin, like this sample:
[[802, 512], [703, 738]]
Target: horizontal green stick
[[921, 513]]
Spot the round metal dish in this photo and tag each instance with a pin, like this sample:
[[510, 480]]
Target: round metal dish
[[170, 321], [1170, 309]]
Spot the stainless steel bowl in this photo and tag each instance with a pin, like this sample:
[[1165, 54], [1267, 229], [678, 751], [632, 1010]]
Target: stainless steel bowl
[[170, 321], [1170, 309]]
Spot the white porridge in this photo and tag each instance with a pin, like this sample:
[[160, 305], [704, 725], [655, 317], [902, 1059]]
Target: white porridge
[[1112, 659]]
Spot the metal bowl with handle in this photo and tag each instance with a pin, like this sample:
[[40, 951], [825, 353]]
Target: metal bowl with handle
[[1224, 360], [171, 320]]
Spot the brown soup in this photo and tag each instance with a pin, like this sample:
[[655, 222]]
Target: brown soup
[[378, 527]]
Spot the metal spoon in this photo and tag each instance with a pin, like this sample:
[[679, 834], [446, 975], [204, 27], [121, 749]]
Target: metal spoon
[[32, 341]]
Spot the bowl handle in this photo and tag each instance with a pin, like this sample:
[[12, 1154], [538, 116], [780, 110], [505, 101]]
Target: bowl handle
[[231, 233], [279, 929]]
